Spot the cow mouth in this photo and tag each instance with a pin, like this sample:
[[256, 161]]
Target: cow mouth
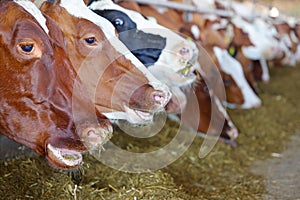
[[63, 158], [136, 116]]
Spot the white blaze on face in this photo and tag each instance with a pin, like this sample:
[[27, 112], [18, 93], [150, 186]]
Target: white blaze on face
[[169, 57], [232, 67], [34, 11]]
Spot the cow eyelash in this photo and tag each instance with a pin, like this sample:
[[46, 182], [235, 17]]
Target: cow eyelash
[[91, 40], [118, 22], [227, 82], [206, 89], [26, 47]]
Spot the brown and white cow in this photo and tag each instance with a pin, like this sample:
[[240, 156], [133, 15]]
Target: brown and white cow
[[39, 106], [120, 85]]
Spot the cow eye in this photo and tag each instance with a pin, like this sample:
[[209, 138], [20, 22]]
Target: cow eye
[[227, 82], [27, 48], [205, 89], [118, 22], [90, 40]]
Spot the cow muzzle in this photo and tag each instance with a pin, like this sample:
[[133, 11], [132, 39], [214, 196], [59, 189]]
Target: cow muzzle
[[145, 102]]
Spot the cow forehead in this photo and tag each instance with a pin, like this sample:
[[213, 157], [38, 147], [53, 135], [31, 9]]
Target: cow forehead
[[34, 11], [80, 10]]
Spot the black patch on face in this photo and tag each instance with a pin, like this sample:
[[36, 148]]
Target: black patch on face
[[146, 47]]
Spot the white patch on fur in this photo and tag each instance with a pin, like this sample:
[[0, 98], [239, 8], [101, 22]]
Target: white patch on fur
[[34, 11], [232, 67], [195, 31], [223, 111]]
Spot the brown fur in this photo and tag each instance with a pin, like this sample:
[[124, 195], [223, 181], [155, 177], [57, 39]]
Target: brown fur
[[36, 86]]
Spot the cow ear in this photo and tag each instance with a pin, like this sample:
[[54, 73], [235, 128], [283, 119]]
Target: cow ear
[[55, 32], [206, 23], [86, 2], [45, 5]]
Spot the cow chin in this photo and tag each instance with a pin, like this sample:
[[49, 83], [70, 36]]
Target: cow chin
[[62, 158]]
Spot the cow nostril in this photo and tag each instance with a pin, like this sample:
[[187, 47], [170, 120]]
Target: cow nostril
[[160, 98], [90, 133], [234, 133], [184, 51]]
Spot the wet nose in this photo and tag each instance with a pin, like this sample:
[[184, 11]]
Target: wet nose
[[151, 98], [186, 53], [160, 98], [233, 133], [94, 137]]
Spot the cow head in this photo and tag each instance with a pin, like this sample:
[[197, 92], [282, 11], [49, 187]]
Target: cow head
[[120, 85], [37, 99]]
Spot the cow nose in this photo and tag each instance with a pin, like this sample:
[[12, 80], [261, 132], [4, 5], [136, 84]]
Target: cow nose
[[257, 105], [233, 133], [186, 53], [95, 137], [160, 98]]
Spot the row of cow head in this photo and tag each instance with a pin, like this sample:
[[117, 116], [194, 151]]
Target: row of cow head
[[60, 93], [70, 68]]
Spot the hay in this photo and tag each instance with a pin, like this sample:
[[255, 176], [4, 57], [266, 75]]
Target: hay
[[223, 174]]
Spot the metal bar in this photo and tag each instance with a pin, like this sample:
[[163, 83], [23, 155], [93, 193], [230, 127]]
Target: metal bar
[[182, 7], [187, 16]]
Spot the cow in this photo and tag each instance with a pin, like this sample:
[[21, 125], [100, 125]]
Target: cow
[[43, 104], [120, 85]]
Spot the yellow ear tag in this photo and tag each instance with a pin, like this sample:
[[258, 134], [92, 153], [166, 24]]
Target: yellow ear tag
[[184, 71], [232, 50], [187, 70], [227, 40]]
